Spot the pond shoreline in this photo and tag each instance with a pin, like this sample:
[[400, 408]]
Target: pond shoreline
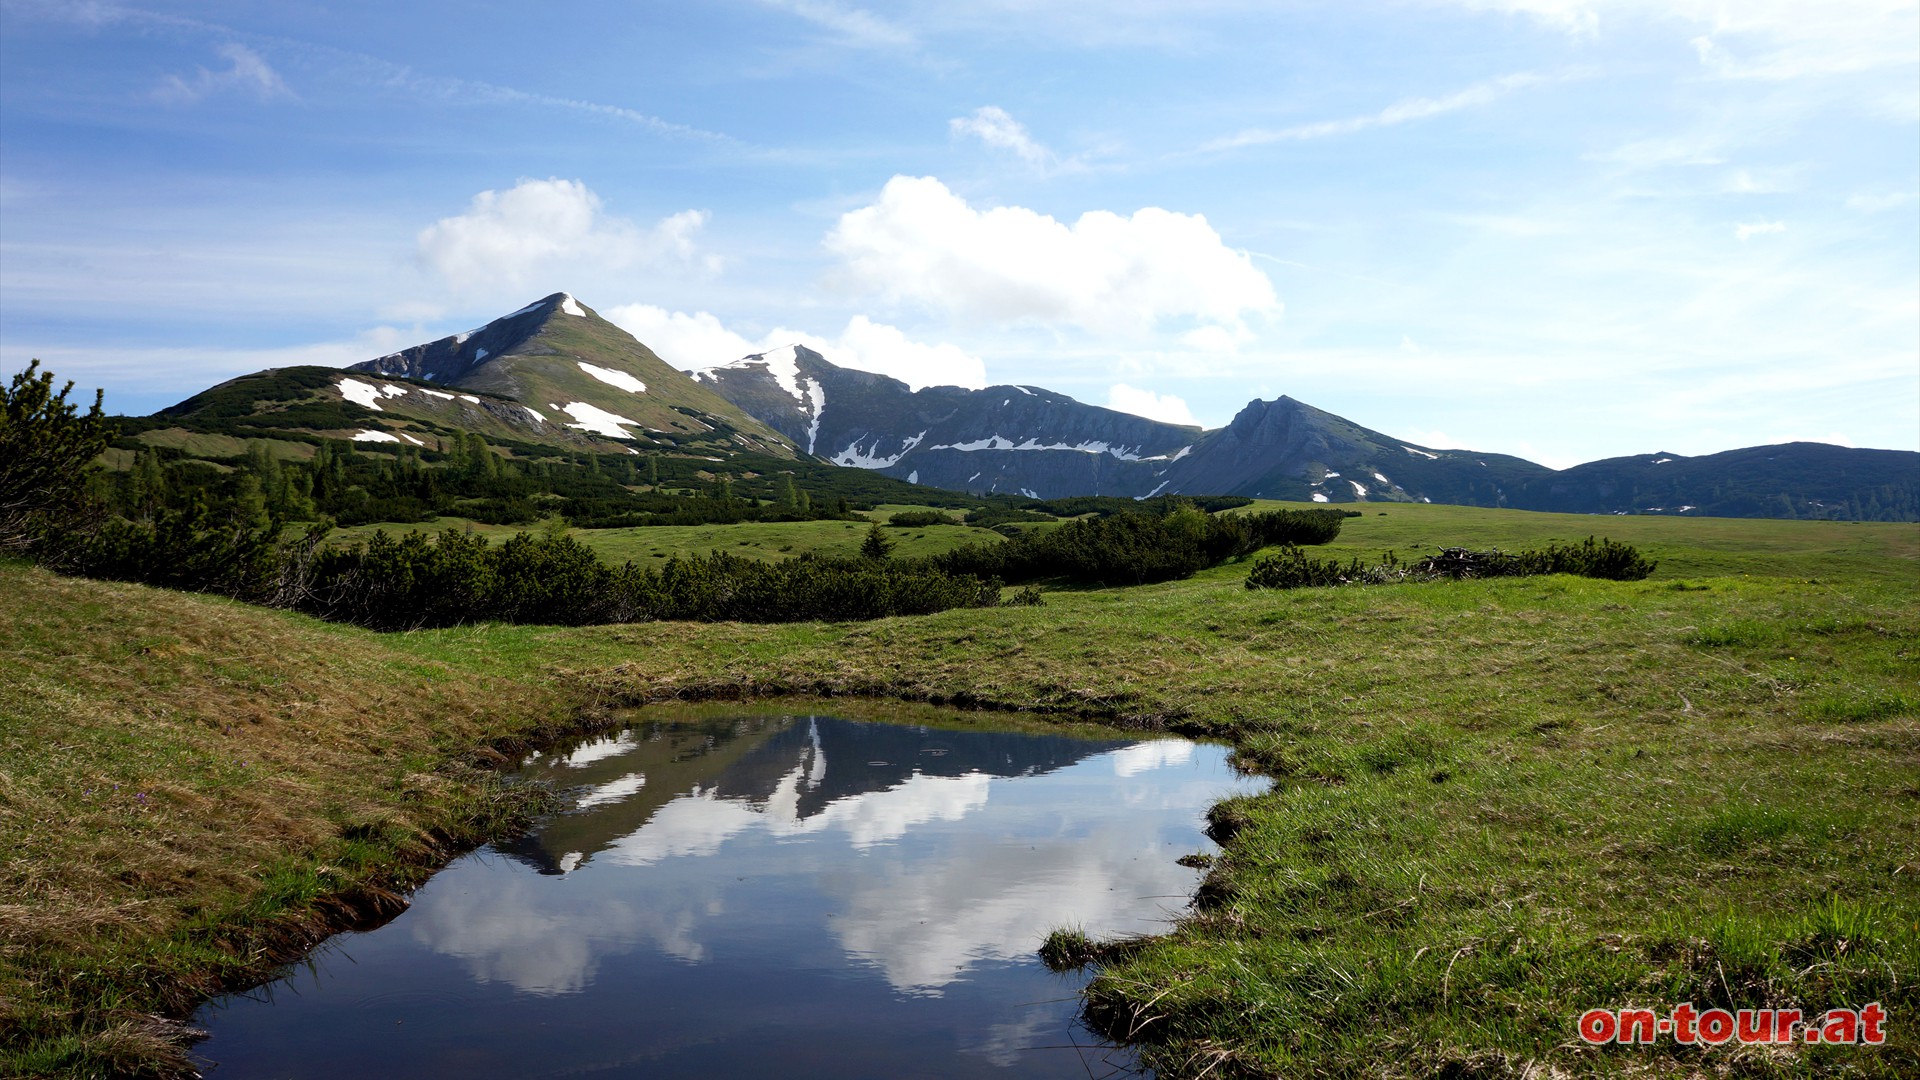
[[497, 811]]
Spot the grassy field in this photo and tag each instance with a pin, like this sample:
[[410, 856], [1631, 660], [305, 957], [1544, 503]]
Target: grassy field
[[1496, 803]]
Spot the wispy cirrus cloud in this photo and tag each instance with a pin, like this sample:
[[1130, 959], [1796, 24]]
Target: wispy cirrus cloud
[[849, 25], [1771, 40], [248, 74], [998, 129], [1403, 111], [1751, 229], [250, 70]]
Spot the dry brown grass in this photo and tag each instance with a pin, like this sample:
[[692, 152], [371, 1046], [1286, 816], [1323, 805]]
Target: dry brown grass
[[193, 789]]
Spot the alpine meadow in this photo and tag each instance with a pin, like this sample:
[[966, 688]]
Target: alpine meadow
[[902, 616]]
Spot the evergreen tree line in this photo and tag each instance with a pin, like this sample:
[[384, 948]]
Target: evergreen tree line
[[1138, 546], [417, 581], [421, 580], [355, 485], [1291, 568]]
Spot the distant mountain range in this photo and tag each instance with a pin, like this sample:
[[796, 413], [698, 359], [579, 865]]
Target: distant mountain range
[[555, 373], [1035, 442]]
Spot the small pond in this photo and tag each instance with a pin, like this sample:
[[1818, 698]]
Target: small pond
[[757, 894]]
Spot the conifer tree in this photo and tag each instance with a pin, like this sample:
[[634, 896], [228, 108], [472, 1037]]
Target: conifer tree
[[46, 448]]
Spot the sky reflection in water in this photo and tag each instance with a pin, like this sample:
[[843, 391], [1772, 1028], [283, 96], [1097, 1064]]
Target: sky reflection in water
[[758, 896]]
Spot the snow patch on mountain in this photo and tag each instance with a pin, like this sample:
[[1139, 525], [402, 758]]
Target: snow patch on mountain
[[1318, 497], [479, 355], [1001, 442], [366, 395], [1359, 489], [441, 394], [374, 436], [571, 306], [535, 306], [614, 377], [854, 457], [535, 413], [597, 420], [816, 402], [1382, 479], [1421, 453], [411, 439]]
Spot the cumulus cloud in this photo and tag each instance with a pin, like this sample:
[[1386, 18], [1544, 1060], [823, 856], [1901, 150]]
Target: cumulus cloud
[[1748, 230], [248, 73], [1104, 273], [698, 341], [539, 227], [1130, 399], [992, 125]]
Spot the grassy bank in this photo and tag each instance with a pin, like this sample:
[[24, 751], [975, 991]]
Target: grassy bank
[[1497, 803], [193, 790]]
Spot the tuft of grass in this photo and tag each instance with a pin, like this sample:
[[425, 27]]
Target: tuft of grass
[[1863, 708]]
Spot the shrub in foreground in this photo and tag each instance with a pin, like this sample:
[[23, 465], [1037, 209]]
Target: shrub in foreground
[[1291, 568]]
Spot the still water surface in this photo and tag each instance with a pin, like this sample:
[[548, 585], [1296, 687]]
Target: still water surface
[[758, 895]]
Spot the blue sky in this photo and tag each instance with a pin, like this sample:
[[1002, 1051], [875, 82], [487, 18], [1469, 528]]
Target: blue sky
[[1564, 229]]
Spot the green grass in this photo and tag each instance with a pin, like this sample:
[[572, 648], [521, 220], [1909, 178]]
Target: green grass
[[204, 445], [1496, 803]]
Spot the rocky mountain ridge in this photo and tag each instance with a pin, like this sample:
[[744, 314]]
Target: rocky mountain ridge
[[1042, 444]]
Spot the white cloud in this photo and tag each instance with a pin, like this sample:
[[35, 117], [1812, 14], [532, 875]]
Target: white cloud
[[1577, 17], [1874, 204], [872, 346], [700, 340], [850, 25], [1130, 399], [1432, 438], [1752, 229], [539, 228], [1752, 39], [248, 74], [992, 125], [1104, 273], [1662, 152], [1400, 112]]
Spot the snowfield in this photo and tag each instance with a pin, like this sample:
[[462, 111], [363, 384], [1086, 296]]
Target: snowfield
[[597, 420], [365, 395], [615, 378]]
